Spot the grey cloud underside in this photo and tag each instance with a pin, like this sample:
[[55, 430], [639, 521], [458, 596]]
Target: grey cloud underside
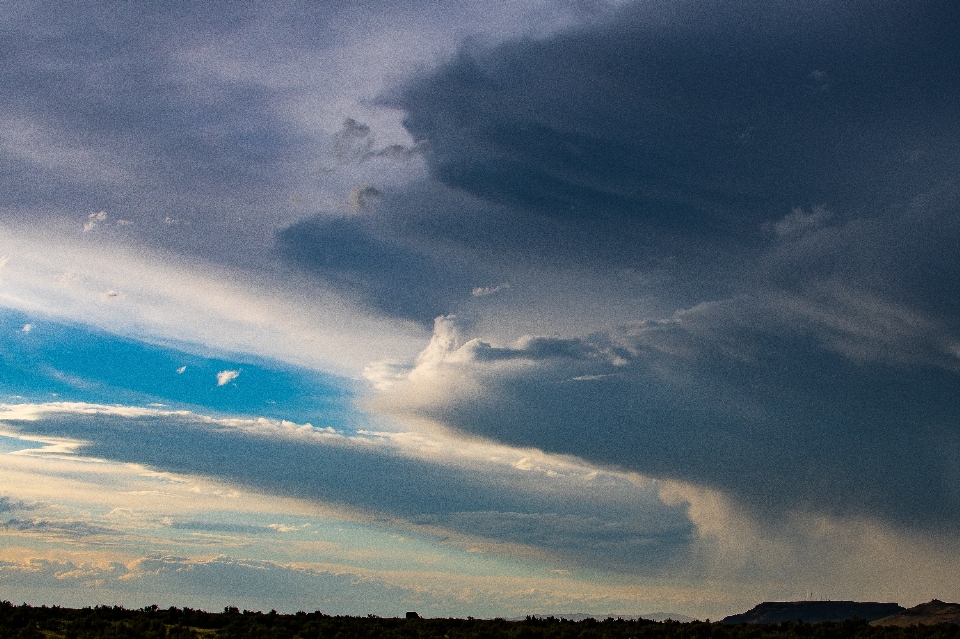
[[420, 250], [377, 480], [10, 505], [359, 256], [825, 383], [221, 527], [780, 426]]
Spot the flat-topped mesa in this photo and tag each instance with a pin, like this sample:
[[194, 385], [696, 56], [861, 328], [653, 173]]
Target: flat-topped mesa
[[814, 611]]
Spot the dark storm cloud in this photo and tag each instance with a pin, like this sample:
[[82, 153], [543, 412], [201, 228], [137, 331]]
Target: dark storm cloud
[[804, 157], [671, 138], [701, 118], [418, 252]]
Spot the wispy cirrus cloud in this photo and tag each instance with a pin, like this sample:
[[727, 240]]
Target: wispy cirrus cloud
[[189, 304]]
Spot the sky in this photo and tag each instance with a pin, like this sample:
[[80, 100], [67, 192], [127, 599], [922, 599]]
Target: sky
[[479, 308]]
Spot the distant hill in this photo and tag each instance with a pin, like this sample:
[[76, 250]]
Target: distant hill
[[814, 611], [929, 614]]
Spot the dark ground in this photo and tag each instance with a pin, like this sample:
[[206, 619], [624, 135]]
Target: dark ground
[[154, 623]]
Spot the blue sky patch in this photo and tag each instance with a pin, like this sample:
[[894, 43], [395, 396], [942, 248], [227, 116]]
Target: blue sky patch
[[43, 360]]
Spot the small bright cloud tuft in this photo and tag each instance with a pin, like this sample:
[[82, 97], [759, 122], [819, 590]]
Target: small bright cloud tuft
[[225, 377], [93, 220], [481, 291], [283, 528]]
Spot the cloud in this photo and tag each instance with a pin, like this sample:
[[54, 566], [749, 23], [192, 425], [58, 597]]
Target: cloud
[[483, 291], [59, 530], [361, 256], [362, 197], [211, 583], [355, 143], [416, 480], [839, 558], [778, 423], [652, 157], [93, 220], [245, 109], [778, 198], [352, 142], [10, 505], [183, 182], [845, 557], [798, 222], [225, 377], [37, 145], [729, 232], [597, 540], [214, 583], [203, 526], [383, 374], [701, 123], [168, 301]]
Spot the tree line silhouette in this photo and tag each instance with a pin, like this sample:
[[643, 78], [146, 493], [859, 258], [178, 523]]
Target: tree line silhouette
[[152, 622]]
